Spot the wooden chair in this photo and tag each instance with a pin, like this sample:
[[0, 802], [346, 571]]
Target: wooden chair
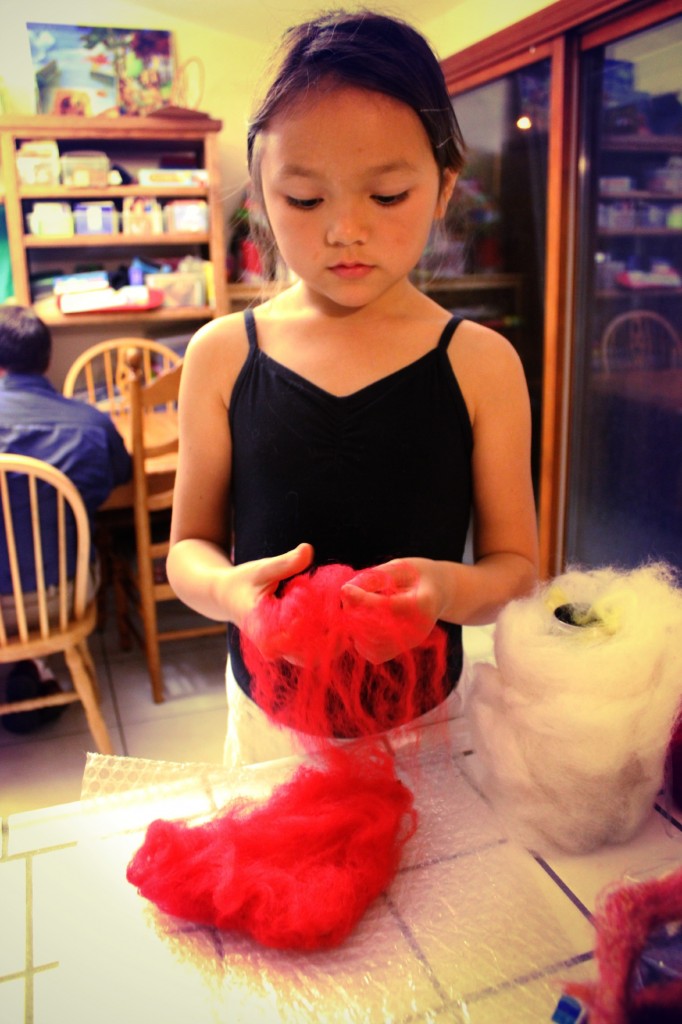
[[49, 619], [640, 339], [150, 403], [99, 375]]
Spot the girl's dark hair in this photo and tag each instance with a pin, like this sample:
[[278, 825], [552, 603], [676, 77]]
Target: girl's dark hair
[[369, 51], [25, 341]]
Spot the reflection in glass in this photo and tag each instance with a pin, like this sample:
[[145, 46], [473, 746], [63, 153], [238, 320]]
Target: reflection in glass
[[625, 483], [489, 264]]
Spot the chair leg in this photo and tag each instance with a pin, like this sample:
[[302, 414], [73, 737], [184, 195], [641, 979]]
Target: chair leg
[[121, 587], [151, 628], [85, 684]]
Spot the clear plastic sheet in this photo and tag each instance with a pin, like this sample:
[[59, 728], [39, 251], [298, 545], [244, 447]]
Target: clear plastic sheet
[[472, 929]]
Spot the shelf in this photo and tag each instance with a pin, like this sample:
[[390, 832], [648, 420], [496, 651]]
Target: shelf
[[470, 282], [67, 192], [634, 193], [130, 142], [642, 143], [630, 293], [48, 311], [649, 232], [118, 241]]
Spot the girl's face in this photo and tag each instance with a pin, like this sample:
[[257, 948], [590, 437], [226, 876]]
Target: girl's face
[[351, 188]]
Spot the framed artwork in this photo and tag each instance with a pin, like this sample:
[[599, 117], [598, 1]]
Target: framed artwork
[[89, 70]]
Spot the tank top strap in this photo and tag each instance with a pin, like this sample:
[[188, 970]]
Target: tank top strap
[[250, 324], [449, 329]]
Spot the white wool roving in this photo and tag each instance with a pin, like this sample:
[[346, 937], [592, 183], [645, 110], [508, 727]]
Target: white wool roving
[[570, 730]]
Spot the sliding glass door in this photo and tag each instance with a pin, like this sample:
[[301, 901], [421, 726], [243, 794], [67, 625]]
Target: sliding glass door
[[624, 494]]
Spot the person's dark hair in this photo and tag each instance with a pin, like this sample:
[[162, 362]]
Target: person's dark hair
[[25, 341], [369, 51]]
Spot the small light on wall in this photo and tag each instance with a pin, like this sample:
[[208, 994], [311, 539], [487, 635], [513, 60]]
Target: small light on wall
[[524, 123]]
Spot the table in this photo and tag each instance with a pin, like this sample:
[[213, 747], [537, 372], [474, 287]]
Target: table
[[160, 426], [473, 929]]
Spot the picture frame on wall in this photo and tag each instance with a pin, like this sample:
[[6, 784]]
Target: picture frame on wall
[[84, 71]]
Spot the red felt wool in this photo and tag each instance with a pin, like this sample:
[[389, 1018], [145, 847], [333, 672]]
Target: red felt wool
[[624, 920], [328, 688], [299, 871], [295, 873]]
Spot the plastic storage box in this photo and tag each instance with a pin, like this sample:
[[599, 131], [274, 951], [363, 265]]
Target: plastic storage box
[[180, 288], [95, 218], [85, 169]]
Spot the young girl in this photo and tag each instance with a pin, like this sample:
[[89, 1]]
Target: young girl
[[350, 419]]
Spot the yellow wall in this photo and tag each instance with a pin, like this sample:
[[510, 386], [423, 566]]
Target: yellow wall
[[232, 65], [469, 21]]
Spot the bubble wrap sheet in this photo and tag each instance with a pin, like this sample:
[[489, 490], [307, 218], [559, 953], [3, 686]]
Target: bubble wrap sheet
[[473, 929]]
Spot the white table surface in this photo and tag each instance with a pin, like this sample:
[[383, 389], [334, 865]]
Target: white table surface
[[473, 929]]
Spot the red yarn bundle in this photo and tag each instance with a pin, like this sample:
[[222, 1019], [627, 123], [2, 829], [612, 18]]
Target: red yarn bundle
[[305, 662], [624, 921], [295, 873], [299, 871]]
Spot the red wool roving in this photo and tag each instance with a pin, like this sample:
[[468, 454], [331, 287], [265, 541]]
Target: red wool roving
[[297, 872], [328, 688], [624, 920]]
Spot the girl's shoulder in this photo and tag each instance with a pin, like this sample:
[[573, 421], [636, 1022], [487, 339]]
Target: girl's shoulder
[[486, 365], [216, 353], [220, 339], [483, 352]]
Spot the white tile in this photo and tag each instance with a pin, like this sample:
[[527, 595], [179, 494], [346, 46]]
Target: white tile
[[46, 772], [485, 919], [193, 736], [44, 828], [453, 818], [656, 848], [194, 680], [56, 896], [176, 973], [534, 1000], [12, 1001], [13, 927]]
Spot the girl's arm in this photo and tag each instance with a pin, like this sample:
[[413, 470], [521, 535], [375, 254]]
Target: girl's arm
[[199, 566], [504, 518]]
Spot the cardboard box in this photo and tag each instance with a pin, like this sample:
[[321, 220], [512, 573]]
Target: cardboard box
[[169, 176], [38, 163], [186, 215], [180, 288], [51, 220]]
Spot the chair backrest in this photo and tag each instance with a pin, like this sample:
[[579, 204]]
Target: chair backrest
[[640, 339], [99, 375], [153, 409], [44, 524]]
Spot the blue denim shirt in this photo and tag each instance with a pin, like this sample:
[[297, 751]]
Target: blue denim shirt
[[82, 441]]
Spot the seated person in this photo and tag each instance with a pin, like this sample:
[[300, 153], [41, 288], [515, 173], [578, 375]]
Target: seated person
[[78, 439]]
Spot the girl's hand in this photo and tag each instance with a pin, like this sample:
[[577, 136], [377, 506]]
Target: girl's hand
[[258, 581], [392, 607]]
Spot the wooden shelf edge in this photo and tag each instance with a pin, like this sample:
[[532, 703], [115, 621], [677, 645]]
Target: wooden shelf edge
[[34, 193], [47, 310], [114, 241]]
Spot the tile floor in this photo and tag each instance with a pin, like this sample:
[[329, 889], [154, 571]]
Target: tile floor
[[45, 767]]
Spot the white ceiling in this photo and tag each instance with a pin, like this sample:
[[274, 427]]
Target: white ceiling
[[263, 20]]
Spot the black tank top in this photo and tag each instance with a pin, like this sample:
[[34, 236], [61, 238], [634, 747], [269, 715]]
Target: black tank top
[[382, 473]]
